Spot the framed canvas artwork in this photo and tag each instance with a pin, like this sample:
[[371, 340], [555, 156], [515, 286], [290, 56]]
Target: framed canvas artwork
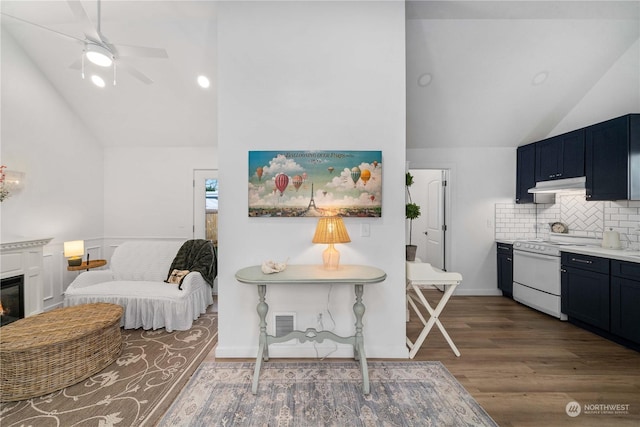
[[315, 183]]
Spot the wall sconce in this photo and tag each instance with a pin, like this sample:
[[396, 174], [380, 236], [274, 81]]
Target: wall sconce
[[331, 230], [74, 250], [11, 182]]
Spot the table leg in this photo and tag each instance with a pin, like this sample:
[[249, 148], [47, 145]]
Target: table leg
[[358, 348], [263, 348], [433, 320]]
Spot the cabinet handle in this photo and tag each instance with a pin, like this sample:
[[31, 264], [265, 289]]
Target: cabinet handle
[[584, 261], [503, 247], [558, 174], [509, 259]]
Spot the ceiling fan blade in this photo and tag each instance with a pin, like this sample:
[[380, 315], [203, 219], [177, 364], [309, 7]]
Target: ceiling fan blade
[[134, 72], [76, 65], [43, 27], [126, 51], [90, 30]]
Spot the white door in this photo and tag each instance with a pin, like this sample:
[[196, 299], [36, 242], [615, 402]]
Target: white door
[[200, 201], [434, 228], [428, 230]]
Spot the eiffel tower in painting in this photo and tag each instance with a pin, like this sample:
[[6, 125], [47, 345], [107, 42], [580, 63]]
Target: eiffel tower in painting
[[312, 209], [312, 202]]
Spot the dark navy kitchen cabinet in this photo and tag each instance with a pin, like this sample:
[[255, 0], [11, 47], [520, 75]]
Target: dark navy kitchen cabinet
[[505, 269], [561, 156], [585, 289], [625, 300], [526, 169], [612, 159]]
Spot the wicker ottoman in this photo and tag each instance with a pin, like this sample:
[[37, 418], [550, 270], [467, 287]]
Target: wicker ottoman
[[48, 352]]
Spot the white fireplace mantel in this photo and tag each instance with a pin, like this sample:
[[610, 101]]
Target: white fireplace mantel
[[24, 257]]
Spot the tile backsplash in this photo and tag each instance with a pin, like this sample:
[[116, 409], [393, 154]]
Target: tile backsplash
[[584, 219]]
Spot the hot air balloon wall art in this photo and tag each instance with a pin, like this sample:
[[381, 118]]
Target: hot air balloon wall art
[[315, 183]]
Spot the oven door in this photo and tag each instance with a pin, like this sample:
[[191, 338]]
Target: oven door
[[541, 272]]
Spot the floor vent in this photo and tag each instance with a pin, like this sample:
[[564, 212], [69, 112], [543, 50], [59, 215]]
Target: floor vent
[[285, 323]]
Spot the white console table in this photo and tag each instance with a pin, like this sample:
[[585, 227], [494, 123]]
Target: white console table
[[356, 275]]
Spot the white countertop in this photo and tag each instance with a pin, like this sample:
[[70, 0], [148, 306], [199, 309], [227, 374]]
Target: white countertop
[[619, 254], [593, 250]]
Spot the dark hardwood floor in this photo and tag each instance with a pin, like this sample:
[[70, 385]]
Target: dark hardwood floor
[[524, 367]]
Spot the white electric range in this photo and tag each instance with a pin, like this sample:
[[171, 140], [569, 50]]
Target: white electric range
[[536, 275]]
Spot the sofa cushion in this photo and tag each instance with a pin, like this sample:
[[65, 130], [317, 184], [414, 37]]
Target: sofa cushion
[[144, 260]]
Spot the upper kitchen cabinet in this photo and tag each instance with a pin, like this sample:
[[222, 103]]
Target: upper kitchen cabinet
[[561, 156], [612, 159], [526, 177]]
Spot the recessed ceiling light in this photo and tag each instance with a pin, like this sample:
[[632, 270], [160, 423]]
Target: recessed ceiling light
[[540, 78], [425, 79], [99, 55], [98, 81], [203, 82]]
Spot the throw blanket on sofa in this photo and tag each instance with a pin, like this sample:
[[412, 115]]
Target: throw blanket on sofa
[[196, 255]]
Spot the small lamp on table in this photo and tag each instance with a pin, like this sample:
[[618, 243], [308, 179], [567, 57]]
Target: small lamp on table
[[331, 230], [74, 250]]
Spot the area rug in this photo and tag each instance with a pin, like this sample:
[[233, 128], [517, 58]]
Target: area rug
[[325, 394], [135, 390]]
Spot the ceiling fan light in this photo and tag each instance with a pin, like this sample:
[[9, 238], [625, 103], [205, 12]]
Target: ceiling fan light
[[99, 55], [98, 81]]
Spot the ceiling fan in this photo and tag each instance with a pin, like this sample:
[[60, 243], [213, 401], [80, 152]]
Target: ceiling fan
[[98, 49]]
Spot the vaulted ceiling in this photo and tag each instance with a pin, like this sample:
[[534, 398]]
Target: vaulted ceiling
[[471, 66]]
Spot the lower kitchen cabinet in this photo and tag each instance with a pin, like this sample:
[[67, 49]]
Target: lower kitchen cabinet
[[585, 289], [625, 300], [505, 269]]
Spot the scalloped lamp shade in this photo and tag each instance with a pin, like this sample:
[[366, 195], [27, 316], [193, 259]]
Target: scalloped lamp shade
[[331, 230]]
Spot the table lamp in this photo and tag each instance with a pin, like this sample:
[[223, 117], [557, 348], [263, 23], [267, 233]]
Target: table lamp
[[74, 250], [331, 230]]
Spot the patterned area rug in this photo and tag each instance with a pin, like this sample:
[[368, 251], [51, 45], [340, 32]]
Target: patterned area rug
[[325, 394], [135, 390]]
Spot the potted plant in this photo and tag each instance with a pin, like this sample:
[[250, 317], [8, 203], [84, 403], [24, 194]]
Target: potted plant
[[412, 211]]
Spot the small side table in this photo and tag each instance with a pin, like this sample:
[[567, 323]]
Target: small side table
[[94, 263]]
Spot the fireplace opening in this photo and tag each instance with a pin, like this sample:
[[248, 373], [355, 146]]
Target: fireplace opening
[[11, 299]]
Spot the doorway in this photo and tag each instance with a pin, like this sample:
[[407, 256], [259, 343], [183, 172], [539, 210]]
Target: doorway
[[205, 205], [430, 191]]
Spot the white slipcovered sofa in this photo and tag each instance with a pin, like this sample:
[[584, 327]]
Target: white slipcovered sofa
[[136, 281]]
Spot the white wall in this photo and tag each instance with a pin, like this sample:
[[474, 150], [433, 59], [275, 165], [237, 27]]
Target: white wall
[[148, 191], [617, 93], [42, 137], [309, 76], [479, 177]]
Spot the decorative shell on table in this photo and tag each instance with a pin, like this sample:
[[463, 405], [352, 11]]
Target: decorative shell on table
[[269, 267]]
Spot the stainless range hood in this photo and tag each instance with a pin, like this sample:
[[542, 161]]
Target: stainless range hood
[[559, 186]]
